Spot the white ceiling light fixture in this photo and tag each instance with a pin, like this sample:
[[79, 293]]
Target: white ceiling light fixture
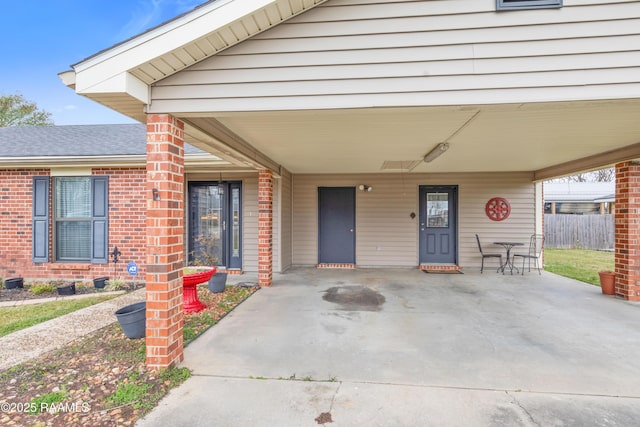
[[436, 152]]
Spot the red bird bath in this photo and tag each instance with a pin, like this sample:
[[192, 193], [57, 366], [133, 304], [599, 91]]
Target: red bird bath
[[191, 303]]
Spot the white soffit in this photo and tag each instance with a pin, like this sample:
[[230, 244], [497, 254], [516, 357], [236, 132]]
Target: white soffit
[[482, 138], [182, 42]]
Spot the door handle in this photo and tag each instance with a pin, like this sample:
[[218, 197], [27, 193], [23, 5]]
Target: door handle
[[351, 230]]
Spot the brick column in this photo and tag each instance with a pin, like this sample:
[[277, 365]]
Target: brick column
[[627, 230], [165, 241], [265, 227]]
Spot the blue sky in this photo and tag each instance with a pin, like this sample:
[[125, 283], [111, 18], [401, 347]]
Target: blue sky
[[41, 38]]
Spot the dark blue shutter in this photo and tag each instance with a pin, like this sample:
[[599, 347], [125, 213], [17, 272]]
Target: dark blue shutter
[[100, 220], [40, 219]]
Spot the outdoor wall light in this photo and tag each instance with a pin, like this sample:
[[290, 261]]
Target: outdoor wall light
[[155, 193], [437, 151], [363, 187]]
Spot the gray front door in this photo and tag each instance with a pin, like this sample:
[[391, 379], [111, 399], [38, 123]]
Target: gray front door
[[336, 225], [438, 224]]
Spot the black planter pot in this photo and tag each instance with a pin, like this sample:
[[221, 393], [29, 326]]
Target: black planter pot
[[218, 283], [68, 289], [133, 319], [14, 283], [100, 282]]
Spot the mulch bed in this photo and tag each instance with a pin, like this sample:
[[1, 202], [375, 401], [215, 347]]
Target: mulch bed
[[88, 371], [20, 294]]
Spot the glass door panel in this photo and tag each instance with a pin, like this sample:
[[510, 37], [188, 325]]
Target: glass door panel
[[235, 226], [215, 224], [437, 210], [206, 241]]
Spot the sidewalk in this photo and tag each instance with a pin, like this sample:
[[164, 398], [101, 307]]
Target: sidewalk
[[30, 343]]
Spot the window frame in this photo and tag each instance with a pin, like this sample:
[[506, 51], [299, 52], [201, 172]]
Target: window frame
[[527, 4], [55, 220]]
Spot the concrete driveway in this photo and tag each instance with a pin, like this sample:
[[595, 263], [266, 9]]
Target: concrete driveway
[[387, 347]]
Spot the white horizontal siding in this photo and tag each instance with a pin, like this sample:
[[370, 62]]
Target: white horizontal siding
[[285, 215], [386, 235], [282, 222], [461, 67], [250, 223], [353, 54]]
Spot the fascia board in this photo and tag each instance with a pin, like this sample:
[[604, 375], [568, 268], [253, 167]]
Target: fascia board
[[71, 161], [121, 83], [195, 160], [68, 78]]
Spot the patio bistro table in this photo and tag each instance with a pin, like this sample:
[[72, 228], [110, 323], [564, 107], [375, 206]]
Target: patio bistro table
[[508, 263], [191, 303]]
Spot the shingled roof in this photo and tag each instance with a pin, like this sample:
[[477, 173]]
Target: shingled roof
[[76, 140]]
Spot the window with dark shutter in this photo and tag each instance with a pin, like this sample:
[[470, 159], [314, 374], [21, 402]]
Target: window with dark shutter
[[527, 4], [99, 220], [40, 219]]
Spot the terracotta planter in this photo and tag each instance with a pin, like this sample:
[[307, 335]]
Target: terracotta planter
[[608, 282]]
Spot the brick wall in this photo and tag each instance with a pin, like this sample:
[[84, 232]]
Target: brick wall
[[165, 240], [265, 227], [627, 230], [127, 211], [127, 217]]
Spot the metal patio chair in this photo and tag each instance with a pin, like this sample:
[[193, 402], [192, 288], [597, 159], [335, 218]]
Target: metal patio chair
[[535, 252], [486, 255]]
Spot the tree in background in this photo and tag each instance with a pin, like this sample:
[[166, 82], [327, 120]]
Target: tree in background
[[15, 110], [601, 175]]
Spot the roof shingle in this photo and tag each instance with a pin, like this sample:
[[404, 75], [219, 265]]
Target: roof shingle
[[76, 140]]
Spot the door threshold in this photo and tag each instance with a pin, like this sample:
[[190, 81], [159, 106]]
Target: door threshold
[[336, 266], [231, 271], [440, 267]]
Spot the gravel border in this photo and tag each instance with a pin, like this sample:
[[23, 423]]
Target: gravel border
[[30, 343]]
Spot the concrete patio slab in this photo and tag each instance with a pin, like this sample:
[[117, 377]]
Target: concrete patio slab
[[401, 347]]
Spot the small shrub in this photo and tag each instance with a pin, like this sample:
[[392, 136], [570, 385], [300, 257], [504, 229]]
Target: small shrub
[[115, 285], [41, 288]]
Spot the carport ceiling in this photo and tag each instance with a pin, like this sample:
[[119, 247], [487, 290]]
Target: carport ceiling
[[514, 137]]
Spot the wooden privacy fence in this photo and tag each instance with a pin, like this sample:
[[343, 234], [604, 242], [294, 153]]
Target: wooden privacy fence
[[579, 231]]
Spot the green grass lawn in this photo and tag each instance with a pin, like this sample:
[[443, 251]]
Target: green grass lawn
[[16, 318], [579, 264]]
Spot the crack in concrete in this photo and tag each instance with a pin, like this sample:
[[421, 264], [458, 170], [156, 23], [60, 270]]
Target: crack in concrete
[[326, 417], [432, 386], [517, 402], [333, 399]]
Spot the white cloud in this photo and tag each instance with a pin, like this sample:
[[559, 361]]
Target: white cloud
[[70, 107]]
